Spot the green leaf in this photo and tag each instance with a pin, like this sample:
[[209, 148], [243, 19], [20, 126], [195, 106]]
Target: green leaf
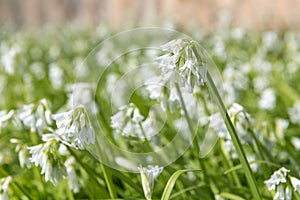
[[171, 182], [231, 196]]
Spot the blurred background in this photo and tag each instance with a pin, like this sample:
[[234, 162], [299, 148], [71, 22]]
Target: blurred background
[[253, 14]]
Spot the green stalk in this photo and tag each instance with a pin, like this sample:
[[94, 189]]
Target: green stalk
[[107, 175], [235, 139], [229, 165], [109, 183], [195, 142]]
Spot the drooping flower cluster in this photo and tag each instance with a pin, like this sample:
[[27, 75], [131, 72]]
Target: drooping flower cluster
[[277, 177], [162, 92], [82, 94], [148, 175], [129, 122], [74, 128], [279, 182], [46, 156], [182, 64], [35, 117]]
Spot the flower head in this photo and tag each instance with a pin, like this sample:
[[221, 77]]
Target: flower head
[[130, 123], [148, 175], [181, 64], [277, 177], [74, 128], [47, 157]]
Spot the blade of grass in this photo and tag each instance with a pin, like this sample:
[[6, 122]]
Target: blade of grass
[[171, 182], [237, 167], [231, 196]]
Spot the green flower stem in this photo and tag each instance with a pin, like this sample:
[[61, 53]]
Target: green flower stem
[[108, 180], [195, 142], [235, 139], [107, 175], [260, 149], [89, 171], [228, 164]]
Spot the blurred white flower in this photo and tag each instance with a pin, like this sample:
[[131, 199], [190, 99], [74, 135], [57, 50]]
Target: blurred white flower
[[294, 113], [163, 92], [46, 156], [4, 184], [73, 180], [267, 99], [280, 194], [74, 128], [296, 142], [280, 126], [37, 117], [217, 124], [56, 76], [22, 151], [148, 175], [129, 122], [277, 177], [296, 184], [288, 193], [5, 116], [82, 94], [8, 58]]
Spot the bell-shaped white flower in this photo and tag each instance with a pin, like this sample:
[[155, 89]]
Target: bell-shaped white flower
[[296, 184], [180, 64], [148, 176], [277, 177], [74, 128], [46, 156]]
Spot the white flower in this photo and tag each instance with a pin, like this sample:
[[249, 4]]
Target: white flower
[[56, 76], [179, 64], [294, 113], [163, 92], [45, 155], [296, 142], [267, 99], [288, 193], [74, 128], [148, 175], [4, 184], [36, 117], [73, 180], [277, 177], [280, 194], [296, 184], [217, 123], [240, 118], [82, 94], [130, 123], [9, 58], [5, 116]]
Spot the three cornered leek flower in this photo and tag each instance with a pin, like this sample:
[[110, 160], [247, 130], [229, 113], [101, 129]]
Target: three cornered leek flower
[[180, 64], [148, 175], [278, 181], [74, 128], [184, 64]]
